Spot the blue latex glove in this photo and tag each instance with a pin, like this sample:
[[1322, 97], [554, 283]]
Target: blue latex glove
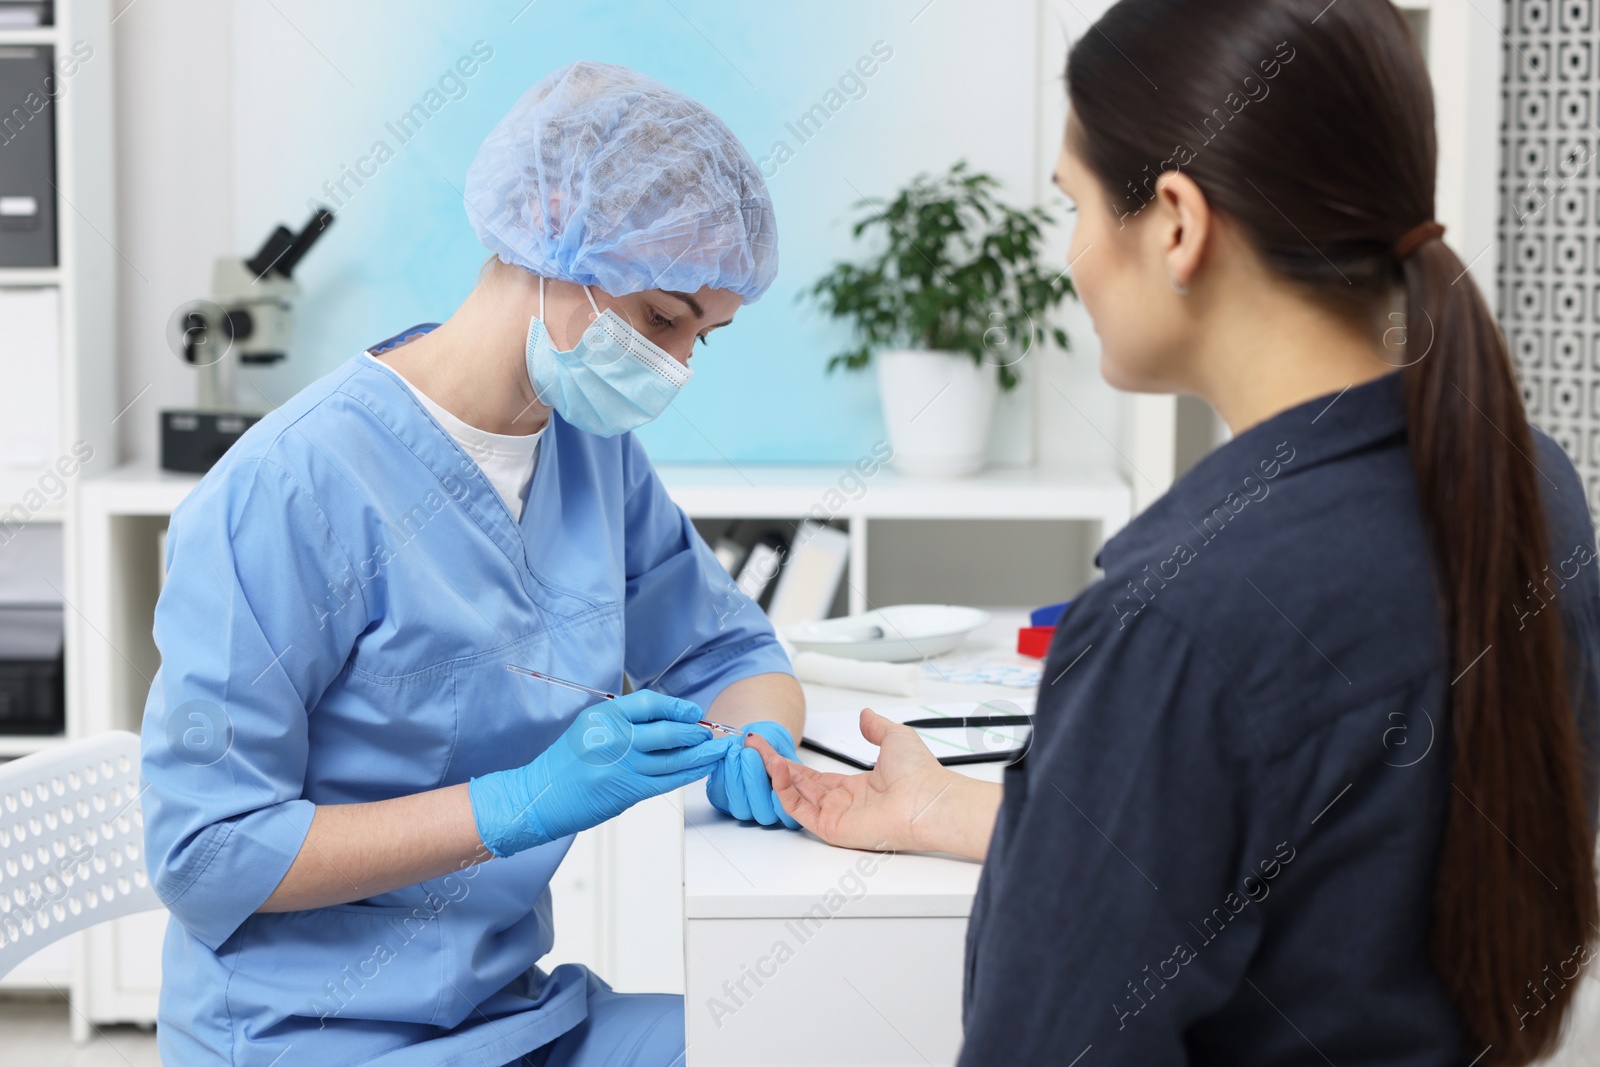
[[739, 784], [613, 755]]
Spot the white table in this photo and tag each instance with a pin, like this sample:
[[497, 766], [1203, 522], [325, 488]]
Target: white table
[[801, 954]]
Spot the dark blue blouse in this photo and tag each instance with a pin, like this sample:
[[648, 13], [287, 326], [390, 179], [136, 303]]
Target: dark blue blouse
[[1221, 847]]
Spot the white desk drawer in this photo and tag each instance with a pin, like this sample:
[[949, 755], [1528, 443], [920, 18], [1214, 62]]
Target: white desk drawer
[[879, 991]]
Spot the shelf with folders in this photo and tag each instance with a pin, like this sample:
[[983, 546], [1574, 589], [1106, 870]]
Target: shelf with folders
[[57, 277], [848, 492], [58, 272], [985, 539]]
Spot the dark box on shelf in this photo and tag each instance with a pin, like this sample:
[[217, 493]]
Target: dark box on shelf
[[32, 670], [28, 87], [193, 441]]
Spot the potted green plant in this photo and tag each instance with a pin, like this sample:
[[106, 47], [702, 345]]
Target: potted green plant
[[948, 307]]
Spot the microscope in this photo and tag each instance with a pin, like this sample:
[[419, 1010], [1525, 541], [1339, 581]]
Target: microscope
[[246, 324]]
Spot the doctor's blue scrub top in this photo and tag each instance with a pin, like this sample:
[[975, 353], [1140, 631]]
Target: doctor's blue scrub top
[[344, 591], [1221, 847]]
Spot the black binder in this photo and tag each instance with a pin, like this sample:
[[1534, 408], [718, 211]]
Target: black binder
[[28, 87]]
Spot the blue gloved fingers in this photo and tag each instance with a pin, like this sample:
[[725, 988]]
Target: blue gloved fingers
[[669, 782], [670, 767], [733, 785], [646, 705], [757, 789], [782, 741], [716, 792], [668, 734], [706, 756], [613, 755], [783, 816], [775, 734], [739, 785]]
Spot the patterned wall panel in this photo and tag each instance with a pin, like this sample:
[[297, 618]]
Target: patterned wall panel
[[1549, 272]]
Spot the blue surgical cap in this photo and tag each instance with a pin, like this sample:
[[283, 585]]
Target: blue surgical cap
[[602, 176]]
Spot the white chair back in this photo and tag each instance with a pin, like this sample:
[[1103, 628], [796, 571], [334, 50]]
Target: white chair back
[[71, 842]]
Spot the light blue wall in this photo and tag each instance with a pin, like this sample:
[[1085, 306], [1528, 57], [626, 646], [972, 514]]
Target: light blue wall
[[958, 83]]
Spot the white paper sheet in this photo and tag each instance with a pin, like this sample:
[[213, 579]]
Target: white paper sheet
[[840, 731]]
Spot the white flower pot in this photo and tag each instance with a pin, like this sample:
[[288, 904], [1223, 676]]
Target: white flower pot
[[937, 407]]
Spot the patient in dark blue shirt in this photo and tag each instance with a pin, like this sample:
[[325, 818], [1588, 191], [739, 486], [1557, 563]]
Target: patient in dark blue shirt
[[1221, 847], [1312, 771]]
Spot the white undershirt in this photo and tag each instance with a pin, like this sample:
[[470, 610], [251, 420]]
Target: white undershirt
[[507, 460]]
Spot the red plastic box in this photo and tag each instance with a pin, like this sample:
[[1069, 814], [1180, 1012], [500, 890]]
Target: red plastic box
[[1035, 640]]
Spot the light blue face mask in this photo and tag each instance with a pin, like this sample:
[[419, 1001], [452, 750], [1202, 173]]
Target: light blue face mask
[[612, 381]]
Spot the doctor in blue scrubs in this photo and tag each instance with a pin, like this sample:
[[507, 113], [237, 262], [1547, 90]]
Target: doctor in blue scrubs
[[353, 810]]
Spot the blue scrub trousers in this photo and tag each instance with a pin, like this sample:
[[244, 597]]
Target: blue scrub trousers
[[622, 1030]]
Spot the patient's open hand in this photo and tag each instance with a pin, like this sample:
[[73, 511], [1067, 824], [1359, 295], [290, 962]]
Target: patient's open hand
[[885, 809]]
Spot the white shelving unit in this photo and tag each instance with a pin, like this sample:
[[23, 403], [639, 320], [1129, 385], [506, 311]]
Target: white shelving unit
[[1001, 494], [83, 377], [85, 275], [27, 277], [46, 35]]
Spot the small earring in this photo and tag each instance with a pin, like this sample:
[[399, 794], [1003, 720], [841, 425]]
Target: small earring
[[1181, 290]]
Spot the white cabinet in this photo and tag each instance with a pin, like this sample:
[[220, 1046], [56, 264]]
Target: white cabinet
[[57, 349], [619, 899], [851, 972]]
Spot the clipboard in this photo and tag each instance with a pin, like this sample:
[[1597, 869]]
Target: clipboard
[[998, 731]]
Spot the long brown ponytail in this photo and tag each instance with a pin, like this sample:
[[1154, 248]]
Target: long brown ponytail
[[1515, 898], [1322, 114]]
